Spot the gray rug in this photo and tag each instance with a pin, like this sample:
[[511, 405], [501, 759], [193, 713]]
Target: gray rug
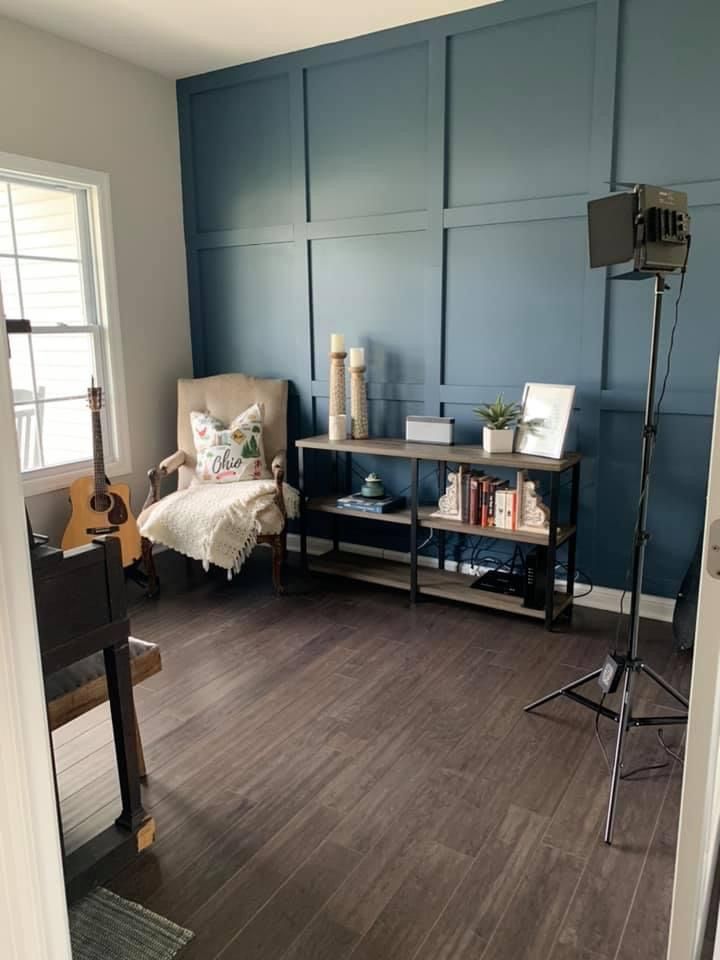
[[103, 926]]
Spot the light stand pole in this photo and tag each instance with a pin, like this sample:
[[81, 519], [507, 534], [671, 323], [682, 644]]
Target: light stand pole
[[632, 663]]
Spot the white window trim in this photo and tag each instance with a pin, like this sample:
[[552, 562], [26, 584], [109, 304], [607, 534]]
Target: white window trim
[[97, 184]]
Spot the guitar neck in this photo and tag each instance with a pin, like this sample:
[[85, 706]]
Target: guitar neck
[[98, 455]]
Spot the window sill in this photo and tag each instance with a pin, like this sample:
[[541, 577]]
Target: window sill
[[60, 478]]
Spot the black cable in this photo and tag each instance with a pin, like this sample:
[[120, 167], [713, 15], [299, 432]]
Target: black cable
[[683, 274], [644, 769], [666, 748], [579, 573], [656, 419], [657, 766], [597, 733]]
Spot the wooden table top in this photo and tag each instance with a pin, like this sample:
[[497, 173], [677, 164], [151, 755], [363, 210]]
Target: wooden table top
[[452, 453]]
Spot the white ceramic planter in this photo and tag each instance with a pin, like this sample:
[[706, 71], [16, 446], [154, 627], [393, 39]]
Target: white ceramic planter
[[498, 441]]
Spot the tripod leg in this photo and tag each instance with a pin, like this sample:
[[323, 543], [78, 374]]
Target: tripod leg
[[617, 761], [664, 684], [561, 692]]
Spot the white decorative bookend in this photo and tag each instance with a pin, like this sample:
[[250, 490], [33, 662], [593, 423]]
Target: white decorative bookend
[[450, 503], [533, 515]]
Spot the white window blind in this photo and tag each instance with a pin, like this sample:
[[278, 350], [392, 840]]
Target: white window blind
[[49, 276]]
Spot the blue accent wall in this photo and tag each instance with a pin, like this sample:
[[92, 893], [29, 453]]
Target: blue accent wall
[[423, 190]]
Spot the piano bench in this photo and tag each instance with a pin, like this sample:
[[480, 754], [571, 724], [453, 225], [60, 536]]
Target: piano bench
[[82, 686]]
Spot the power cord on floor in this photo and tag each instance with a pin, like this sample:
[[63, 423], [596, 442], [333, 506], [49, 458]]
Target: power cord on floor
[[579, 573], [647, 767]]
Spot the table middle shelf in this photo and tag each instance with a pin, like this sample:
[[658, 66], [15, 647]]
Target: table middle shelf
[[426, 522]]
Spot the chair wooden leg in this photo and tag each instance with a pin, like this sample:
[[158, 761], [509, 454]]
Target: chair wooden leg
[[149, 564], [142, 770], [278, 563]]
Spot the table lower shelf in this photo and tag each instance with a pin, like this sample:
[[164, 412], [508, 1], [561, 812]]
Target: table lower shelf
[[447, 584]]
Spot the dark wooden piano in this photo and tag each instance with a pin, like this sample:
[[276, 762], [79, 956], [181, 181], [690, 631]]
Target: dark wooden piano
[[81, 609]]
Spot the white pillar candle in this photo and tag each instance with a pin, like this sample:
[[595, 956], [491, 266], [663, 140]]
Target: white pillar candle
[[357, 356], [337, 343], [337, 428]]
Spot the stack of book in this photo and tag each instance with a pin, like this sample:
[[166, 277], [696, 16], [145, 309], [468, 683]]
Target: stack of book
[[356, 501], [490, 502]]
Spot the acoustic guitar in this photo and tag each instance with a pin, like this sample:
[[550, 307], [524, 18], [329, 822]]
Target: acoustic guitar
[[99, 507]]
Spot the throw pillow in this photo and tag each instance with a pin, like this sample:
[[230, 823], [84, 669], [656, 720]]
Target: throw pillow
[[226, 453]]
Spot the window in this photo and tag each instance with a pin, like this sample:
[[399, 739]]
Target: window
[[55, 272]]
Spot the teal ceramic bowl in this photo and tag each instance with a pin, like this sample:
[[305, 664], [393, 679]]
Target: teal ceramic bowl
[[373, 486]]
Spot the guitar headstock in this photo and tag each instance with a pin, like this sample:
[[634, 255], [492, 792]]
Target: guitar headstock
[[95, 397]]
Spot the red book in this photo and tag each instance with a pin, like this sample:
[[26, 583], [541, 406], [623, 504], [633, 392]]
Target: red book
[[495, 485], [484, 501], [474, 516]]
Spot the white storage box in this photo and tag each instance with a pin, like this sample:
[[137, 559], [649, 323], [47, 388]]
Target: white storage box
[[430, 429]]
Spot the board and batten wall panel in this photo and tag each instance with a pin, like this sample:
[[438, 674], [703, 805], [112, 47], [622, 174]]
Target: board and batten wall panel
[[504, 144], [516, 319], [424, 191], [250, 281], [363, 285], [367, 134], [241, 153]]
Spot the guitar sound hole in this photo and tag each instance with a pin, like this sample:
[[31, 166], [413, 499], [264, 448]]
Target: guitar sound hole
[[101, 503]]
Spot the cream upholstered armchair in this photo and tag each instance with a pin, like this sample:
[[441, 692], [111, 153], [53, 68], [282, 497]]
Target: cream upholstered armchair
[[224, 396]]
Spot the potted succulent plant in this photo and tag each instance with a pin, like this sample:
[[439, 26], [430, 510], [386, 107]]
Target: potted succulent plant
[[500, 419]]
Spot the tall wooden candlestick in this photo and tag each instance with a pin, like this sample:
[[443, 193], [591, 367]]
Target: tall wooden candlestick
[[337, 396], [358, 403]]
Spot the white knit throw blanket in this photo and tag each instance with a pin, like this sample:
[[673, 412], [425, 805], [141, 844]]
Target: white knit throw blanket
[[218, 523]]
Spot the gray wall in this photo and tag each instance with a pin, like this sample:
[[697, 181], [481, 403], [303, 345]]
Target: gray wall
[[423, 190], [63, 102]]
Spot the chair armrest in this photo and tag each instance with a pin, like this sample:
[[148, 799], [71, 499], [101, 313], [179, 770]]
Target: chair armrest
[[278, 472], [172, 463], [167, 466], [278, 465]]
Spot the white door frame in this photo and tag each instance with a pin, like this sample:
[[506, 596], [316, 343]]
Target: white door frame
[[700, 809], [33, 912]]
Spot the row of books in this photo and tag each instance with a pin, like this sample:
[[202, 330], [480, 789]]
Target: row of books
[[490, 502]]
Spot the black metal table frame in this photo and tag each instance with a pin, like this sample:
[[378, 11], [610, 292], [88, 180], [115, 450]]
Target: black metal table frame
[[552, 546]]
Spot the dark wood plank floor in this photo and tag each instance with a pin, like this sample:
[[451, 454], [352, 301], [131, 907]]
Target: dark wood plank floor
[[337, 775]]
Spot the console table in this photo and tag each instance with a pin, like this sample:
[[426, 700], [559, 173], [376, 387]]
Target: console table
[[420, 580]]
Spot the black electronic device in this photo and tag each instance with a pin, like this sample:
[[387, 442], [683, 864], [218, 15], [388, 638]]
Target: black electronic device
[[649, 226], [609, 679], [501, 581], [535, 580]]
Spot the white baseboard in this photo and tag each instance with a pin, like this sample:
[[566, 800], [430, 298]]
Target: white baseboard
[[601, 598]]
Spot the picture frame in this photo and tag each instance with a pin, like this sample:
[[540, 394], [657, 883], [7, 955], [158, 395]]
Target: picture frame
[[543, 424]]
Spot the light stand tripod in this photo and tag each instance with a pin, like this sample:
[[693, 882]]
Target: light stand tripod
[[631, 663]]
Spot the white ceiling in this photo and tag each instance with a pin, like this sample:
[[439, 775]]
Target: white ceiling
[[182, 37]]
